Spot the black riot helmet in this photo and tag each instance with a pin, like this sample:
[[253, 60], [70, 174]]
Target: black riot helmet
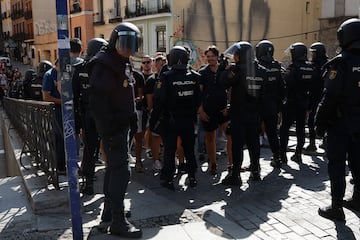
[[94, 46], [349, 33], [242, 49], [319, 49], [43, 67], [298, 52], [178, 58], [126, 39], [265, 51], [30, 75]]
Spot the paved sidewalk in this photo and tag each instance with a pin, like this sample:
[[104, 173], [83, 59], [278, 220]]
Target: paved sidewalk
[[282, 206]]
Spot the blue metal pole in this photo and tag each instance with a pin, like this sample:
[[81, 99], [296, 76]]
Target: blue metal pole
[[68, 116]]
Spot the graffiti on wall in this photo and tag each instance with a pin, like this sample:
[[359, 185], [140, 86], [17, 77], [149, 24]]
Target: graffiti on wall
[[43, 27], [213, 22]]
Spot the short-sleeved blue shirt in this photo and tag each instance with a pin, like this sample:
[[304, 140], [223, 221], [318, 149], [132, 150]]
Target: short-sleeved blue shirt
[[49, 83]]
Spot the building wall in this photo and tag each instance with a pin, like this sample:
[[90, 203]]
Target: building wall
[[7, 23], [82, 20], [45, 31], [222, 23]]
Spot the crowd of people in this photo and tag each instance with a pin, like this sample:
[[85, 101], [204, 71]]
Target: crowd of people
[[171, 109]]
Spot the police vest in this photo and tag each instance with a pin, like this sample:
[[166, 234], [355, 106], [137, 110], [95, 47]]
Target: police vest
[[36, 89], [183, 93], [298, 84], [84, 86], [351, 92]]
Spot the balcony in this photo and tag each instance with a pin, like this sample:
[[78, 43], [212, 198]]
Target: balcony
[[98, 19], [76, 8], [20, 36], [17, 14], [114, 16], [28, 14], [146, 8]]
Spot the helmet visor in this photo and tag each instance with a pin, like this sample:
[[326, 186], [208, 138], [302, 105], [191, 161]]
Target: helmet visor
[[129, 41], [229, 53]]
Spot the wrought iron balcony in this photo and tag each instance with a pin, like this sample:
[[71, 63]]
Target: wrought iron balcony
[[98, 19], [28, 14], [17, 14], [75, 8], [148, 7], [114, 16]]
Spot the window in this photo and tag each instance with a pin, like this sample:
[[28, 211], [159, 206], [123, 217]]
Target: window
[[307, 7], [117, 7], [161, 38], [77, 32]]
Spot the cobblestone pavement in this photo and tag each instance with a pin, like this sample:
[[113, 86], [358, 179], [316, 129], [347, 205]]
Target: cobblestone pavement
[[282, 206]]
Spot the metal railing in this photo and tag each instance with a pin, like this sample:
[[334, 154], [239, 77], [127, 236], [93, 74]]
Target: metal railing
[[35, 122]]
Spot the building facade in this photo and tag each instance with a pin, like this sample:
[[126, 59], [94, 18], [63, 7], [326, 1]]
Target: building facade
[[196, 24]]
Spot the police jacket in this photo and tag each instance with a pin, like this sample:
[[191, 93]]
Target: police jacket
[[246, 84], [80, 87], [111, 95], [339, 108], [317, 83], [36, 89], [177, 96], [272, 92]]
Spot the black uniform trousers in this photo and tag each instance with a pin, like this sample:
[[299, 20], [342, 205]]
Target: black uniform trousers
[[117, 173], [59, 140], [171, 129], [341, 146], [91, 145], [271, 121], [291, 113], [245, 130]]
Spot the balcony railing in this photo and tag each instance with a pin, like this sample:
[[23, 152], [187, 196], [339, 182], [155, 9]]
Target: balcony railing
[[114, 16], [75, 8], [148, 7], [99, 19], [17, 14], [28, 14]]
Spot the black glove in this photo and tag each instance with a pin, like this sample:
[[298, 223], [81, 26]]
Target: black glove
[[133, 122], [319, 131], [223, 63]]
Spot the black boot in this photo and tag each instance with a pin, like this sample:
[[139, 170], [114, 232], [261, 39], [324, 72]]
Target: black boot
[[232, 179], [333, 212], [230, 170], [120, 226], [255, 176], [276, 161], [296, 157], [106, 217], [311, 147], [192, 180], [354, 202], [88, 187], [283, 158]]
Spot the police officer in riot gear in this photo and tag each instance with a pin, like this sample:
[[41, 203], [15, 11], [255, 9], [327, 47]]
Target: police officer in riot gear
[[175, 104], [272, 96], [338, 114], [111, 100], [246, 83], [318, 59], [36, 84], [83, 116], [30, 76], [296, 105]]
